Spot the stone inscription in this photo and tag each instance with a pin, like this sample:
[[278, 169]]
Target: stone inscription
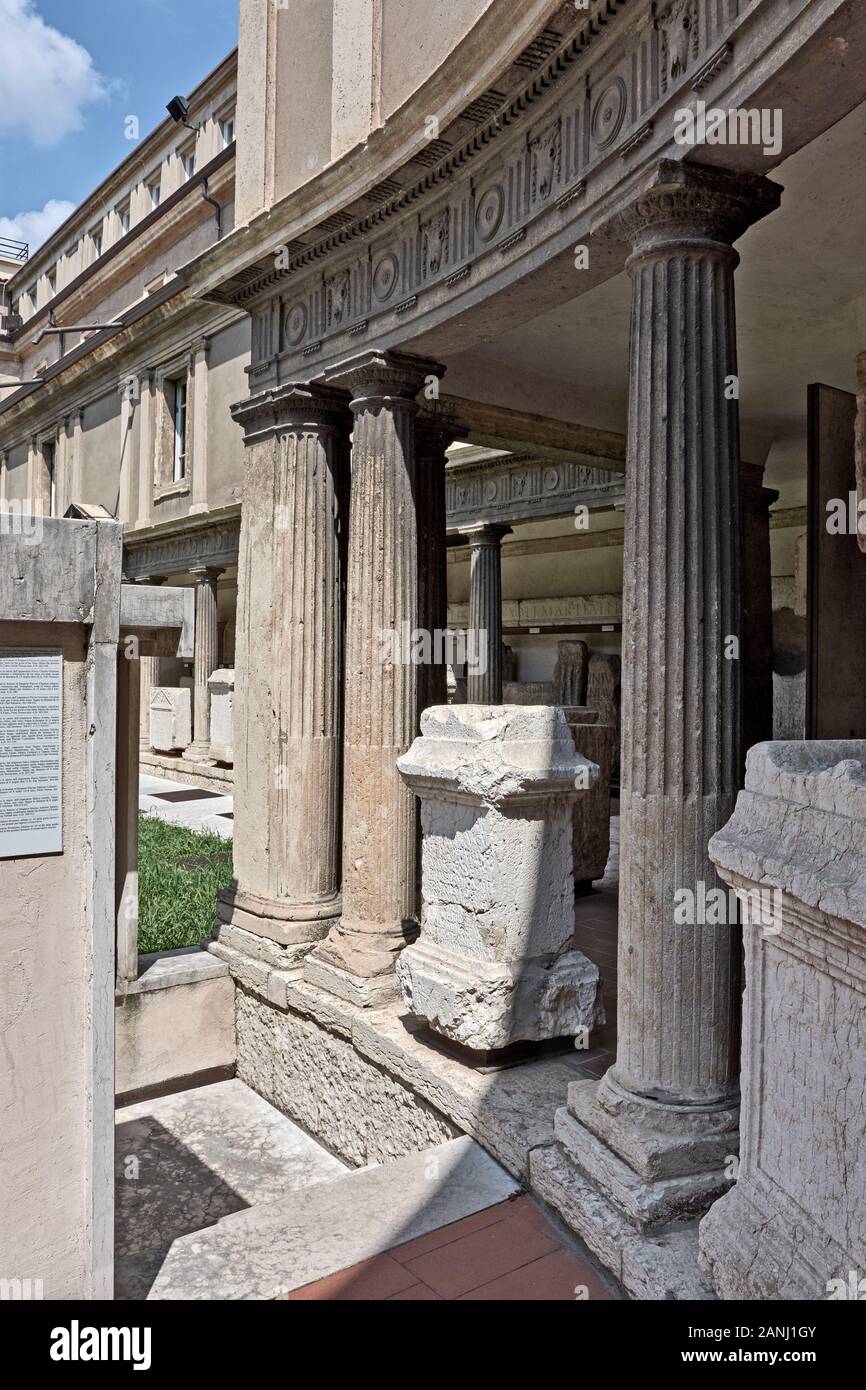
[[31, 709]]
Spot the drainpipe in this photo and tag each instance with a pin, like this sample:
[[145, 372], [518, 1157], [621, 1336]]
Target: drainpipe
[[214, 204]]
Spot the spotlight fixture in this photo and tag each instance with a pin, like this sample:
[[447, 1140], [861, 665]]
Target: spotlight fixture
[[178, 109]]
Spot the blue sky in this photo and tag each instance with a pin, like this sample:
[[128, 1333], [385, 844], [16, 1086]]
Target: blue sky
[[71, 71]]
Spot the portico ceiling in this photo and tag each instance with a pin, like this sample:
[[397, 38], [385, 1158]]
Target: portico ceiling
[[802, 272]]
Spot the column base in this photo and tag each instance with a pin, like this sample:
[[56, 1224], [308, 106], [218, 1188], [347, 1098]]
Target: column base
[[357, 961], [487, 1005], [367, 991], [199, 753], [287, 923], [655, 1265]]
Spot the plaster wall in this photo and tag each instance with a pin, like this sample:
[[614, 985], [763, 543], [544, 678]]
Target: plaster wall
[[44, 1003]]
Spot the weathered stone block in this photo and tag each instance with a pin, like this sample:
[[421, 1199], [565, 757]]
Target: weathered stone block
[[793, 1225], [222, 695], [594, 742], [492, 966], [170, 718]]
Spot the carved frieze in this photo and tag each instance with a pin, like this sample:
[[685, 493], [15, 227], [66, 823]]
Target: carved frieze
[[517, 178], [214, 545], [522, 487]]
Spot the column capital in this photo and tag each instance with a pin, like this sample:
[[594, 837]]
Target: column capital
[[683, 204], [378, 377], [296, 405], [484, 533], [204, 573]]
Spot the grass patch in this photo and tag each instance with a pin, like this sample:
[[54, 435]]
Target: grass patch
[[180, 873]]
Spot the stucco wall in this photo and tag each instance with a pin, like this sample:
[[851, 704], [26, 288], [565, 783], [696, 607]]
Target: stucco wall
[[227, 383], [101, 452], [43, 1019]]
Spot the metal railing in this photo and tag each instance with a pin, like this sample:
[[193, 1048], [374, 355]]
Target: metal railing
[[14, 250]]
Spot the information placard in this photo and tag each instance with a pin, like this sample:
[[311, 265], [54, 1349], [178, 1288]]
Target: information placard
[[31, 739]]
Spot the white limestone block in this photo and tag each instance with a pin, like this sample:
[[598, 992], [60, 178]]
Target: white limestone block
[[497, 786], [222, 695], [170, 718]]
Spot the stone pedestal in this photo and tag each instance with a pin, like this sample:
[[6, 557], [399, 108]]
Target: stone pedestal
[[484, 673], [287, 710], [594, 741], [604, 695], [382, 688], [654, 1138], [170, 718], [492, 965], [205, 660], [222, 694], [795, 851]]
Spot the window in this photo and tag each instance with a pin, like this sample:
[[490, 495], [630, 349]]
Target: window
[[188, 161], [227, 129], [96, 240], [123, 219], [179, 421], [49, 461], [153, 194]]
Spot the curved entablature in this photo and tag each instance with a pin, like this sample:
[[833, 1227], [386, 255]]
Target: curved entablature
[[523, 169]]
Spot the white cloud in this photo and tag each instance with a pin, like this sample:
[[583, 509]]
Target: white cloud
[[46, 78], [36, 227]]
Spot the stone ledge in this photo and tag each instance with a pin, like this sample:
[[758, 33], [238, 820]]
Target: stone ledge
[[510, 1112], [187, 965]]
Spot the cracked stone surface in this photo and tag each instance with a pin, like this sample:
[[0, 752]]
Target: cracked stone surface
[[186, 1161], [791, 1224], [497, 786]]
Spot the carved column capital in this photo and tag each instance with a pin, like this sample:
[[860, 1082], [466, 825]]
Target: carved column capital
[[297, 405], [376, 378], [683, 204]]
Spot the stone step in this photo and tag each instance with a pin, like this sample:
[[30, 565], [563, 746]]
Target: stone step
[[274, 1247]]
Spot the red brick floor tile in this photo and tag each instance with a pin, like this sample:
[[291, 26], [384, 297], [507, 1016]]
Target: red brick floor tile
[[418, 1293], [558, 1276], [422, 1245], [375, 1279], [475, 1259]]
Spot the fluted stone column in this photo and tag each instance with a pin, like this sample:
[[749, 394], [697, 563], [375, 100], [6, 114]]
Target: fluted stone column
[[288, 667], [433, 434], [484, 672], [382, 687], [205, 661], [757, 644], [668, 1107]]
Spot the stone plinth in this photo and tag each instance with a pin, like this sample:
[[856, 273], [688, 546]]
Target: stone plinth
[[594, 741], [795, 851], [170, 718], [492, 965], [222, 696]]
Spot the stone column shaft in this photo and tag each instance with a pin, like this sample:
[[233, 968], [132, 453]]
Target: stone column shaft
[[206, 658], [382, 687], [484, 672], [668, 1107], [757, 644], [288, 661], [432, 437]]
